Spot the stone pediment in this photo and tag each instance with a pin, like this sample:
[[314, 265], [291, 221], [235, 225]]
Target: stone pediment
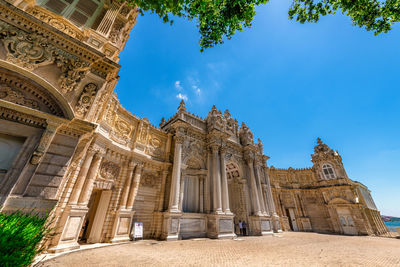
[[24, 92]]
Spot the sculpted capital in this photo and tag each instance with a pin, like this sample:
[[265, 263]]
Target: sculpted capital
[[214, 148], [132, 164], [179, 139], [223, 150]]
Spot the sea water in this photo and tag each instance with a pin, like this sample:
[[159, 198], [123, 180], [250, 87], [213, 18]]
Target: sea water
[[392, 226]]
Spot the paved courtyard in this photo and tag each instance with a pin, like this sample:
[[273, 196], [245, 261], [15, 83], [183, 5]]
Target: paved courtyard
[[287, 249]]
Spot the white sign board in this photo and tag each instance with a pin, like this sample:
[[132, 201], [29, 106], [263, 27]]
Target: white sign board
[[138, 230]]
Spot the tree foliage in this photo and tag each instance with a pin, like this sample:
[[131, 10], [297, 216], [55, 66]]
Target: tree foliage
[[220, 19]]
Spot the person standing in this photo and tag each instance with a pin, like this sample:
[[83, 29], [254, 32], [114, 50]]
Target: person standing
[[241, 227], [244, 230]]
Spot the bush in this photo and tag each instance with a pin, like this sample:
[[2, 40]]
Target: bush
[[20, 236]]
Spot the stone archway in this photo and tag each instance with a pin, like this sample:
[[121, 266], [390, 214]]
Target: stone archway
[[237, 195]]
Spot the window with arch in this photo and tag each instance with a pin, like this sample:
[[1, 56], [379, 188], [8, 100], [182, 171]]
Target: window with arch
[[82, 13], [327, 169]]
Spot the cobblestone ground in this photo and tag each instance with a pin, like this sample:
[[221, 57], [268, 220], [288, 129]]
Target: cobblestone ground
[[287, 249]]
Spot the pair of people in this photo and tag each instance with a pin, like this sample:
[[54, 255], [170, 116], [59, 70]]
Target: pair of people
[[243, 228]]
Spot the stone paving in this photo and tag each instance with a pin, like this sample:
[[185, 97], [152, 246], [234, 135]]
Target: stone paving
[[286, 249]]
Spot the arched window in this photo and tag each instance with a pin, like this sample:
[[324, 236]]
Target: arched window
[[328, 171], [80, 12]]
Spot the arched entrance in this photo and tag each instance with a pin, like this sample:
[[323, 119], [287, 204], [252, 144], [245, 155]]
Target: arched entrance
[[237, 195]]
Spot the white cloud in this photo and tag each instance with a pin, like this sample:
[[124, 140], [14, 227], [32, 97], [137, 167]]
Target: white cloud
[[178, 85], [197, 90], [182, 96]]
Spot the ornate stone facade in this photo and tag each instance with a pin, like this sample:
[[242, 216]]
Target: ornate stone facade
[[323, 198], [75, 152]]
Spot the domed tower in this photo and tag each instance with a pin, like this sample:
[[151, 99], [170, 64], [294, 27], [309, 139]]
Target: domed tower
[[327, 162]]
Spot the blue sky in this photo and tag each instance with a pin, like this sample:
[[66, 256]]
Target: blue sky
[[289, 82]]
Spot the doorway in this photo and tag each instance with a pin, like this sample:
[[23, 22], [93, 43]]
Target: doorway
[[292, 219], [346, 221], [94, 220]]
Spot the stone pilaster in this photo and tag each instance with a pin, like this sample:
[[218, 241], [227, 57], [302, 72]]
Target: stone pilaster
[[176, 176], [201, 194], [275, 218], [76, 192], [91, 176], [127, 185], [225, 192], [162, 190], [216, 181], [134, 187], [123, 217], [254, 191], [260, 190]]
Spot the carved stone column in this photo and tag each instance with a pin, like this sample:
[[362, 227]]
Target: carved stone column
[[260, 191], [162, 190], [91, 176], [176, 176], [269, 195], [76, 192], [276, 222], [225, 192], [134, 186], [181, 196], [201, 194], [256, 203], [216, 180], [127, 185]]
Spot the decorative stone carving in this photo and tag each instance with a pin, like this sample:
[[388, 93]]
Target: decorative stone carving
[[86, 99], [125, 10], [73, 71], [149, 180], [35, 96], [116, 32], [14, 96], [123, 128], [56, 22], [109, 170], [215, 120], [246, 136], [155, 146], [25, 50], [231, 124], [182, 107], [144, 128]]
